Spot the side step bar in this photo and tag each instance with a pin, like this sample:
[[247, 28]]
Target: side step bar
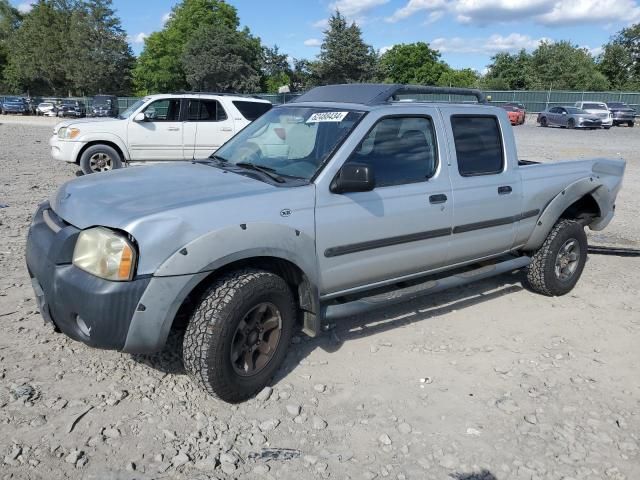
[[366, 304]]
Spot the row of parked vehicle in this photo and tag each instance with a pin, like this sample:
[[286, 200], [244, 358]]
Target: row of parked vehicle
[[101, 106], [588, 115]]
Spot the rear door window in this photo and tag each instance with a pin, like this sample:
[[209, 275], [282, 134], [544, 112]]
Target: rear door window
[[205, 111], [478, 144], [251, 110]]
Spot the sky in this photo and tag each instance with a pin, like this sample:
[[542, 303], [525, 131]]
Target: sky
[[467, 32]]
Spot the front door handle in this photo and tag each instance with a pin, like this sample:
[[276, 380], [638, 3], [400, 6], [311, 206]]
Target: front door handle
[[439, 198], [173, 129], [226, 129], [504, 190]]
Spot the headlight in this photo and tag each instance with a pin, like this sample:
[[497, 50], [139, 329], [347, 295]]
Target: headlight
[[68, 133], [105, 254]]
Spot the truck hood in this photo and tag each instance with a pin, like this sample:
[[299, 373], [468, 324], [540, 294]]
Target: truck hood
[[118, 198]]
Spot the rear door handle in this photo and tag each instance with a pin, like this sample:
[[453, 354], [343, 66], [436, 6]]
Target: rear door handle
[[173, 129], [505, 190], [226, 129], [439, 198]]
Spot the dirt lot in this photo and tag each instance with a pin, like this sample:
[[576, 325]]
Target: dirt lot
[[484, 382]]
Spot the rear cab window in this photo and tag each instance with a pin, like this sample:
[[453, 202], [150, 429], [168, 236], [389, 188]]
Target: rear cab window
[[251, 110], [478, 143]]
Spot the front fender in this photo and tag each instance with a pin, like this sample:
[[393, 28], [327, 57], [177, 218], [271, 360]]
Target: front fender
[[553, 210], [221, 247], [102, 137]]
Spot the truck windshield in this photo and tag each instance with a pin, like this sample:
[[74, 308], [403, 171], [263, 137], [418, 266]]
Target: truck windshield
[[291, 141]]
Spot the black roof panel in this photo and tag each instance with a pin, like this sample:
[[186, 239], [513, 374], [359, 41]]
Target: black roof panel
[[378, 93]]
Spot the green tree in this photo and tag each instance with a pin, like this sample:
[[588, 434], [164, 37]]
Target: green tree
[[9, 21], [69, 46], [38, 50], [509, 72], [220, 58], [159, 67], [276, 70], [620, 60], [103, 60], [563, 66], [413, 63], [466, 78], [303, 75], [344, 57]]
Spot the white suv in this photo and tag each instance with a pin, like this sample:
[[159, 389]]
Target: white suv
[[600, 109], [158, 127]]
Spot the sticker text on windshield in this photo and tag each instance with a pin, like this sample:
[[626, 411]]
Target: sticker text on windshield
[[327, 117]]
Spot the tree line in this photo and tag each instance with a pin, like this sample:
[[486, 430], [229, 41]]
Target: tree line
[[78, 47]]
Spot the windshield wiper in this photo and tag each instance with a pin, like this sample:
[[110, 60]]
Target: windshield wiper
[[268, 171], [218, 158]]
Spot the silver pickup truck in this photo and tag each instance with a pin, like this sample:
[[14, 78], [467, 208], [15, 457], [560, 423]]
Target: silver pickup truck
[[346, 200]]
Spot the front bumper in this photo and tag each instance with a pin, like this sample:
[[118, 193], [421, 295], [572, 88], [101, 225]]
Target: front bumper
[[65, 150], [133, 317], [590, 123], [9, 109], [92, 310]]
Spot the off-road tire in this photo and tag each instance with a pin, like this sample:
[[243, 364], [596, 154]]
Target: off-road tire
[[112, 153], [540, 274], [212, 326]]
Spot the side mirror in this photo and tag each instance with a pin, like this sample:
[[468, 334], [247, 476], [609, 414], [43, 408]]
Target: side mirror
[[140, 117], [353, 177]]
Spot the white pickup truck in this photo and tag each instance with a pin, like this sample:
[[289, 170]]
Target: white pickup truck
[[155, 128]]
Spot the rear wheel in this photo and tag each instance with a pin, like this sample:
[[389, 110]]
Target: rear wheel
[[630, 123], [556, 267], [238, 335], [99, 158], [543, 122]]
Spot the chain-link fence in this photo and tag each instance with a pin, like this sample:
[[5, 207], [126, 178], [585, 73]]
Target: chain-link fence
[[534, 101]]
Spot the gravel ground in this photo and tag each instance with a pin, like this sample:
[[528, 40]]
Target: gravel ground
[[483, 382]]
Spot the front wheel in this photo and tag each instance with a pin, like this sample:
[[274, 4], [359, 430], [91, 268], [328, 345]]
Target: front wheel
[[630, 124], [571, 123], [543, 122], [238, 335], [99, 158], [556, 267]]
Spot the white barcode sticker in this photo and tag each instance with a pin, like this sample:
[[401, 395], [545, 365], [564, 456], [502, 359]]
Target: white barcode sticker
[[327, 117]]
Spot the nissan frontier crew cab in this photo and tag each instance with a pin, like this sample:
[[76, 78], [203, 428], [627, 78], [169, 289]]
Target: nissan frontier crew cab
[[346, 200]]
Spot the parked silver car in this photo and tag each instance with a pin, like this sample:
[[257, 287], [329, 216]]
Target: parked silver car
[[340, 202], [599, 109], [569, 117]]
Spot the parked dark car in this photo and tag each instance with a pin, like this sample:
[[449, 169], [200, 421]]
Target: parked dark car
[[622, 113], [72, 108], [15, 105], [104, 106]]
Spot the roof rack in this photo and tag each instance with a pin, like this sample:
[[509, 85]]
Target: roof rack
[[379, 93], [228, 94]]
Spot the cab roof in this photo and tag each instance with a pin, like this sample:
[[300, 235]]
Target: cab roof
[[373, 94]]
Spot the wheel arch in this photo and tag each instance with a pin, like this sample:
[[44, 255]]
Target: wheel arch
[[578, 201], [168, 301], [124, 155], [304, 290]]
